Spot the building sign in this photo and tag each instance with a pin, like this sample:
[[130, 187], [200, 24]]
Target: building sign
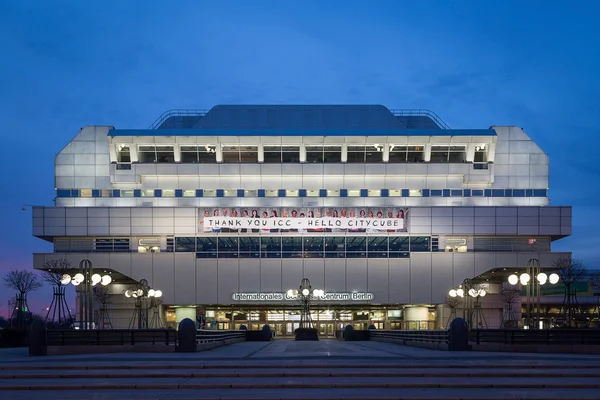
[[380, 224], [303, 220], [255, 296]]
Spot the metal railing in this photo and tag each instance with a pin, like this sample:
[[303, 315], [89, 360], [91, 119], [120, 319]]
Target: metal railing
[[209, 335], [537, 336], [102, 337], [432, 336], [177, 113], [202, 112], [421, 113]]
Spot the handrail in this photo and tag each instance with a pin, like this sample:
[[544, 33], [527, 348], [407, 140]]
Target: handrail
[[421, 112], [436, 336], [177, 112], [210, 335], [97, 337], [536, 336]]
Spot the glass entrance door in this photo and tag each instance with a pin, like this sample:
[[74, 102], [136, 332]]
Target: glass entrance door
[[291, 327], [325, 329]]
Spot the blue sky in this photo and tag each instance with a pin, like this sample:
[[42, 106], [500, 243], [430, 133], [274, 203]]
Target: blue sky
[[67, 64]]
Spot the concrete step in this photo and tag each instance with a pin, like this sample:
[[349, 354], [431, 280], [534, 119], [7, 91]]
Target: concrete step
[[328, 382], [316, 372]]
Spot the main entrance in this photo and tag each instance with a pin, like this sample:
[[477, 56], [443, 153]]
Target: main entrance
[[284, 320]]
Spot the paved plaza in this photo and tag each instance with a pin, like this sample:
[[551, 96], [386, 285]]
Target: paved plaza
[[285, 369]]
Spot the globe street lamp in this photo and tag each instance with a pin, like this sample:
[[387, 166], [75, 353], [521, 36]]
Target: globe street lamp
[[478, 292], [84, 280], [304, 294], [455, 299], [139, 292], [532, 289]]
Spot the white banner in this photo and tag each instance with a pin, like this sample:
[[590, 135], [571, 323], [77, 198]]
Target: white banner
[[355, 296], [303, 223]]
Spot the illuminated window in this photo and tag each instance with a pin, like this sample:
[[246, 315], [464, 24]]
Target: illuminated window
[[106, 193], [250, 193], [362, 154], [210, 193], [456, 245], [191, 154], [198, 154], [312, 193], [353, 192], [189, 193], [240, 154], [168, 193], [333, 193], [374, 193], [230, 193], [85, 193], [281, 154], [448, 154], [323, 154], [156, 154], [271, 193], [291, 193], [395, 193], [128, 193], [148, 193], [123, 153], [415, 193]]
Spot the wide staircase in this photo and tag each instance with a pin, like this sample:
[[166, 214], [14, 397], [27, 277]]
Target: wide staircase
[[303, 379]]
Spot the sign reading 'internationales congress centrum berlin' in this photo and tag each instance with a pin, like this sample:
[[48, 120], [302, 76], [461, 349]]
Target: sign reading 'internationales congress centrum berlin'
[[355, 296]]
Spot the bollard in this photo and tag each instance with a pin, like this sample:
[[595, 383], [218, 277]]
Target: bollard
[[348, 332], [186, 336], [266, 332], [458, 335], [38, 341]]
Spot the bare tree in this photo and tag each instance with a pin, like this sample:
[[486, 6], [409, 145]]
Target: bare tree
[[58, 312], [103, 296], [509, 296], [55, 269], [23, 281], [570, 272]]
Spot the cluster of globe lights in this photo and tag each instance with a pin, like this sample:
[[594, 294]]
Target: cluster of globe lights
[[542, 278], [79, 278], [472, 292], [140, 293], [305, 292]]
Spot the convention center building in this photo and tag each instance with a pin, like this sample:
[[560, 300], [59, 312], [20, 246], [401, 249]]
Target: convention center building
[[226, 210]]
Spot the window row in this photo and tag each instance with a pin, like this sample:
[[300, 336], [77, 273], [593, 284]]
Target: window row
[[303, 247], [291, 154], [88, 193]]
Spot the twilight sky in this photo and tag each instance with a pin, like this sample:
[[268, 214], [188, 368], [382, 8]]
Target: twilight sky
[[67, 64]]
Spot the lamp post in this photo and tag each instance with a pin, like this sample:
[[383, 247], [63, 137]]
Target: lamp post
[[456, 298], [84, 281], [532, 279], [304, 294], [477, 317], [140, 292]]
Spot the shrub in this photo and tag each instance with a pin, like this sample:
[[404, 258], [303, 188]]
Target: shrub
[[13, 337]]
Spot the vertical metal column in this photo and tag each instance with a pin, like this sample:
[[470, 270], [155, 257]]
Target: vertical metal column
[[85, 295], [532, 292]]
